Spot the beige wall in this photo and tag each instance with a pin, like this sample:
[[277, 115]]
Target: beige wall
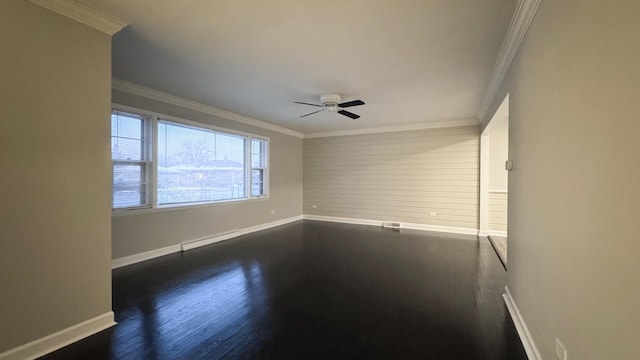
[[574, 192], [144, 231], [54, 178], [400, 176]]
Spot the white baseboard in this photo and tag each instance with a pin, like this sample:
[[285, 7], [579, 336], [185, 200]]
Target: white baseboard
[[192, 244], [497, 233], [403, 225], [442, 229], [188, 245], [523, 331], [270, 225], [143, 256], [343, 220], [492, 232], [60, 339]]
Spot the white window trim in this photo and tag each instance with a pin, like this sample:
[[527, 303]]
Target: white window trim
[[151, 131], [265, 169], [147, 158]]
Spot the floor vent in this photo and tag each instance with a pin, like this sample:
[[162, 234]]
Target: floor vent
[[391, 225]]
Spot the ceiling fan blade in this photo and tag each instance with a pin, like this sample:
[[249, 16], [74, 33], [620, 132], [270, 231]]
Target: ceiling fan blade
[[349, 114], [351, 103], [311, 113], [304, 103]]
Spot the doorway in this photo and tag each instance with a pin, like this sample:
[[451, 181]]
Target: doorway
[[494, 180]]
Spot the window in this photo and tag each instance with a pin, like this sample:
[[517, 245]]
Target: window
[[129, 152], [198, 165], [193, 164], [258, 167]]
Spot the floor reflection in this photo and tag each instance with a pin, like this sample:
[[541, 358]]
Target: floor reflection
[[316, 291], [208, 313]]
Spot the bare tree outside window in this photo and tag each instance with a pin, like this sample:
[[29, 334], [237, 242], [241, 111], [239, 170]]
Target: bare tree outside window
[[193, 165], [199, 165]]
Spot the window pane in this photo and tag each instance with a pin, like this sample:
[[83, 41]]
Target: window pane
[[127, 137], [126, 149], [129, 184], [257, 154], [199, 165], [257, 182]]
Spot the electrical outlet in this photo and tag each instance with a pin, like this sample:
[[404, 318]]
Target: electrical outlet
[[560, 350], [433, 213], [314, 206], [273, 212]]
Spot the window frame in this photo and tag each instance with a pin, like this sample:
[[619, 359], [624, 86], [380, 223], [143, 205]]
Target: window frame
[[264, 168], [152, 119], [146, 161]]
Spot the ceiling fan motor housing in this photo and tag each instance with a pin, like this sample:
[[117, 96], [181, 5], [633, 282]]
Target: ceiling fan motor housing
[[330, 102]]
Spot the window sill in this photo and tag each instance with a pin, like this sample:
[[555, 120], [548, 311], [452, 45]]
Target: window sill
[[183, 207]]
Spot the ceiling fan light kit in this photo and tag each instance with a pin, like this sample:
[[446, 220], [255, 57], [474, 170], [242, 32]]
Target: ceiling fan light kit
[[331, 103]]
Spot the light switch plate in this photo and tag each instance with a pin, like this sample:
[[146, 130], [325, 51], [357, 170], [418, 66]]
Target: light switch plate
[[508, 165]]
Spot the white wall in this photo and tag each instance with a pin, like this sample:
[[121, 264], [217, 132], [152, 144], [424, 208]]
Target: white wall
[[141, 231], [574, 198], [498, 211], [497, 134], [399, 176], [499, 150], [55, 268]]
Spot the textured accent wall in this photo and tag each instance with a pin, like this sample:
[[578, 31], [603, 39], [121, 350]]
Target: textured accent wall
[[399, 176], [498, 211]]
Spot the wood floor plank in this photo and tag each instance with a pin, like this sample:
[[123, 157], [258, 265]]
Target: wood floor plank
[[312, 290]]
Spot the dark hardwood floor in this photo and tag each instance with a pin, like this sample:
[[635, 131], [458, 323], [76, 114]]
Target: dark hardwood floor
[[312, 290]]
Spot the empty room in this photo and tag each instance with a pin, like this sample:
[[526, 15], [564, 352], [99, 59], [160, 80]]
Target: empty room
[[319, 180]]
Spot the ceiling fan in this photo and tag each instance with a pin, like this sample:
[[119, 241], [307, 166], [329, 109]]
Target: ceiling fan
[[331, 103]]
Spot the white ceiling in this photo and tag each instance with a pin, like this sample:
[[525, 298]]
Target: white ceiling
[[411, 61]]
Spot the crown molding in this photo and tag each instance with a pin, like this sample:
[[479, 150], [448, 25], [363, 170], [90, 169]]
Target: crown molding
[[86, 14], [149, 93], [139, 90], [522, 17], [396, 128]]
